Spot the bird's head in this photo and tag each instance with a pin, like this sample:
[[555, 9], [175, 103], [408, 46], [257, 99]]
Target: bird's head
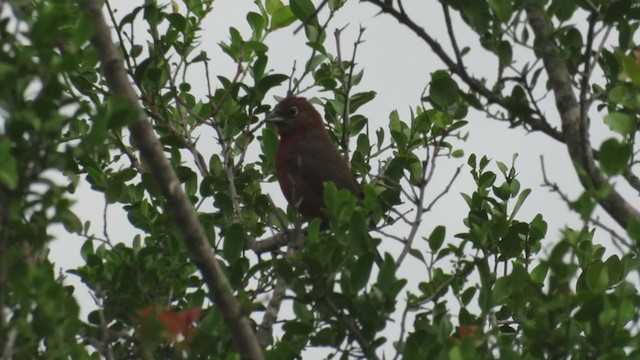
[[295, 115]]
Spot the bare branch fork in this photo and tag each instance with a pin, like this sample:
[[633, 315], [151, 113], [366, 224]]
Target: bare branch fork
[[179, 205]]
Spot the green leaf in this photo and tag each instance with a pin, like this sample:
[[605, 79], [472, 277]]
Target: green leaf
[[486, 179], [177, 21], [361, 272], [273, 6], [397, 127], [631, 69], [70, 221], [458, 153], [356, 124], [357, 100], [505, 53], [633, 230], [330, 195], [83, 31], [485, 299], [325, 337], [256, 21], [358, 236], [283, 17], [303, 9], [336, 4], [562, 9], [437, 238], [271, 81], [614, 156], [502, 8], [521, 199], [620, 94], [387, 274], [234, 240], [537, 228], [503, 191], [501, 289], [614, 269], [313, 231], [584, 205], [484, 162], [455, 354], [472, 161], [255, 46], [502, 167], [597, 277], [87, 250], [621, 122], [468, 295], [8, 166], [443, 90], [539, 273]]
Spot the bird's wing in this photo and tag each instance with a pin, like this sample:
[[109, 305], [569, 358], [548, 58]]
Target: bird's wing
[[316, 160]]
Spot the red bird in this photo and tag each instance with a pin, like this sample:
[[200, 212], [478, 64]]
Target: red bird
[[306, 157]]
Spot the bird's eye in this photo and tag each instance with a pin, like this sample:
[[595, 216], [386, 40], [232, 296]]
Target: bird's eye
[[293, 111]]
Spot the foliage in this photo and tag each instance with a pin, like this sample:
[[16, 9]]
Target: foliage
[[502, 288]]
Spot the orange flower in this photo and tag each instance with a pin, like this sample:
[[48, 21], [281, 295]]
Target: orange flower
[[175, 324]]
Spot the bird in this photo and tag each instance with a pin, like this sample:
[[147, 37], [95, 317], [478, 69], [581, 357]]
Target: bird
[[306, 158]]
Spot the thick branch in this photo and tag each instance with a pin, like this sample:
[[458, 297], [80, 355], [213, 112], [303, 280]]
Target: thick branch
[[576, 132], [178, 204], [265, 330], [272, 243]]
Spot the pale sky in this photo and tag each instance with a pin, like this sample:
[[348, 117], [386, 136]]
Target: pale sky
[[397, 65]]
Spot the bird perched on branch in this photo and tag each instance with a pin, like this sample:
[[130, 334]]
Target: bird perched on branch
[[306, 158]]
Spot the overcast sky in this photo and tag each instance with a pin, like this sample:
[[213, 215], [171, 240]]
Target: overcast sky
[[397, 65]]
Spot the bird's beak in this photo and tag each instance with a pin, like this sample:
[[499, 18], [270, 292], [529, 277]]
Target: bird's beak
[[274, 118]]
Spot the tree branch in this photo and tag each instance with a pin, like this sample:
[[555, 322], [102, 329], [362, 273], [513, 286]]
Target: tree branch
[[265, 330], [178, 204], [574, 135], [576, 132], [473, 83]]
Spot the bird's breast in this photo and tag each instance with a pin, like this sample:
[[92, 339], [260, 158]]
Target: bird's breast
[[284, 172]]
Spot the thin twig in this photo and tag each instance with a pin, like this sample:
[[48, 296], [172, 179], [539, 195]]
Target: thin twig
[[400, 341], [614, 235], [133, 159], [552, 185], [107, 352], [586, 73], [444, 191], [452, 36]]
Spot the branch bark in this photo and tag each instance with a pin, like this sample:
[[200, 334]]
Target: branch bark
[[178, 204], [265, 330]]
